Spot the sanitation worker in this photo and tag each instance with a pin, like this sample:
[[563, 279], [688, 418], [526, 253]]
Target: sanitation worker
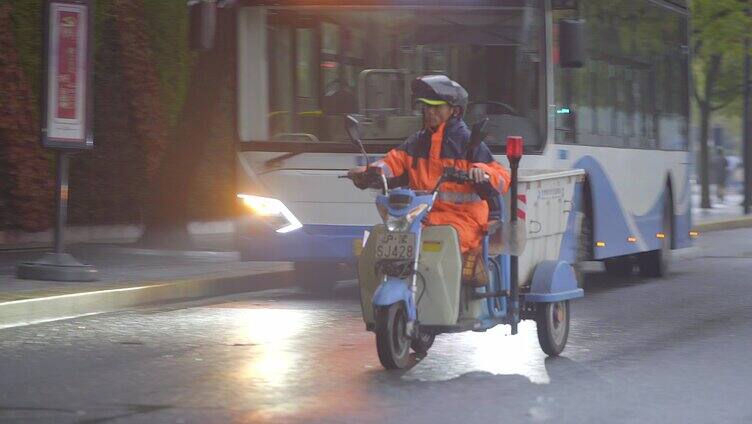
[[442, 142]]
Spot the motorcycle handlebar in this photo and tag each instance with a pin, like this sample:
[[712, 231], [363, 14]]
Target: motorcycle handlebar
[[370, 178], [456, 176], [373, 179]]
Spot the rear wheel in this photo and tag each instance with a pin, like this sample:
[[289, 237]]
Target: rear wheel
[[552, 320], [422, 343], [392, 343], [656, 262], [316, 277]]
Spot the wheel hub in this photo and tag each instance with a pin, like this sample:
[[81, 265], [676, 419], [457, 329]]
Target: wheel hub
[[558, 324], [558, 315]]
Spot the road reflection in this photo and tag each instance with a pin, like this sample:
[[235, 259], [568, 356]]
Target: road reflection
[[494, 352], [274, 332], [304, 363]]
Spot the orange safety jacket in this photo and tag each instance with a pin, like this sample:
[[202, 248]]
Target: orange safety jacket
[[422, 159]]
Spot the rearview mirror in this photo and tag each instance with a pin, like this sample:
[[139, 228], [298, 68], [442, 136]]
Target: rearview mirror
[[572, 43], [477, 135], [351, 126]]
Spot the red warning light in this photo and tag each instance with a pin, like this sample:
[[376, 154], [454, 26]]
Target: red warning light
[[514, 146]]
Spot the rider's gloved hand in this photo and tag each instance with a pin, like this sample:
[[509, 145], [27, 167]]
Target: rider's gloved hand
[[356, 170], [478, 175], [362, 176]]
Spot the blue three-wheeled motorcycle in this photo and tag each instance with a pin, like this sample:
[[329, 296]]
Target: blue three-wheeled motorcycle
[[410, 275]]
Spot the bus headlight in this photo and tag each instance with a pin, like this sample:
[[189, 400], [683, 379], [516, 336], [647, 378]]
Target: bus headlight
[[271, 211]]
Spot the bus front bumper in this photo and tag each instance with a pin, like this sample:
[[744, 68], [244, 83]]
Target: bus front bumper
[[325, 243]]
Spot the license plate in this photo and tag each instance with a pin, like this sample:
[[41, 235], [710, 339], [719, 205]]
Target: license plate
[[399, 246]]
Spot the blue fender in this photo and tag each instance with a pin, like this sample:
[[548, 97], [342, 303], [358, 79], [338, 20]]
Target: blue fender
[[394, 290], [553, 281]]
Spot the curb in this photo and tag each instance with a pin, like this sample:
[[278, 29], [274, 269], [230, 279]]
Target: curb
[[724, 224], [56, 307], [186, 254]]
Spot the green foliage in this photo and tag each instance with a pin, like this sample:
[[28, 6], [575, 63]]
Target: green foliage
[[167, 24], [720, 26], [719, 29]]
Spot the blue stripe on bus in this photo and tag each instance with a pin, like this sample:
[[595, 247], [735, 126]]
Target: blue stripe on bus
[[610, 224]]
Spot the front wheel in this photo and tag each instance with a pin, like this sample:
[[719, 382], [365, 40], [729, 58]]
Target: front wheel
[[655, 263], [552, 320], [392, 342]]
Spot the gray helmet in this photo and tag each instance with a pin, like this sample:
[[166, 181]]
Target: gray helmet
[[439, 89]]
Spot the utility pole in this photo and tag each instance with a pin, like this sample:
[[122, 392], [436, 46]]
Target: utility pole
[[747, 124]]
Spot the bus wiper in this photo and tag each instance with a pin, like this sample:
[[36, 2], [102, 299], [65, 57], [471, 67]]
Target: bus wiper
[[289, 137], [274, 162]]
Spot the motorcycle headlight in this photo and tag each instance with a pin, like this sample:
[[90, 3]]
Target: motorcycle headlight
[[403, 223], [271, 211], [397, 224]]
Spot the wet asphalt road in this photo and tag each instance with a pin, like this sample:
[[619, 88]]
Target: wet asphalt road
[[640, 351]]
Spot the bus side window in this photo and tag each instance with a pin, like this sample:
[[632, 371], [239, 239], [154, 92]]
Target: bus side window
[[306, 70], [280, 79]]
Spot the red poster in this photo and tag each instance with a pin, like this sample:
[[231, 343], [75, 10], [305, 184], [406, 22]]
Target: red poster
[[68, 73], [67, 67]]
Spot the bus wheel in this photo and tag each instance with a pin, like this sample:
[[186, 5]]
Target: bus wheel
[[655, 263], [316, 277], [584, 246], [619, 267]]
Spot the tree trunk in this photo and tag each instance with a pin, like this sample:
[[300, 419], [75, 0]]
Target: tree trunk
[[711, 77], [167, 213], [704, 172]]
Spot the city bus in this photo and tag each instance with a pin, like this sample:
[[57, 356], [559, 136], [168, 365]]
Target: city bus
[[622, 115]]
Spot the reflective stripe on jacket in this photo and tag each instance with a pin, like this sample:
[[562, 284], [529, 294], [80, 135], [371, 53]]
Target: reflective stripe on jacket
[[423, 157]]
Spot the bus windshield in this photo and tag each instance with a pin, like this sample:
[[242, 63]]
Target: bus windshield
[[323, 62]]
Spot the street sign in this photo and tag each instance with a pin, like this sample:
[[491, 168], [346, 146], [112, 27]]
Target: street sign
[[66, 124], [67, 75]]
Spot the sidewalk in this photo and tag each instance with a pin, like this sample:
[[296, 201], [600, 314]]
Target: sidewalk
[[723, 215], [130, 276]]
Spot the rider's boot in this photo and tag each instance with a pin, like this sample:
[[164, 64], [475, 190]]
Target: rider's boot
[[474, 270]]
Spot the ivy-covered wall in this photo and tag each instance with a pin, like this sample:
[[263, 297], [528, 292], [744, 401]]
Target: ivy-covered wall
[[25, 168], [142, 70]]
